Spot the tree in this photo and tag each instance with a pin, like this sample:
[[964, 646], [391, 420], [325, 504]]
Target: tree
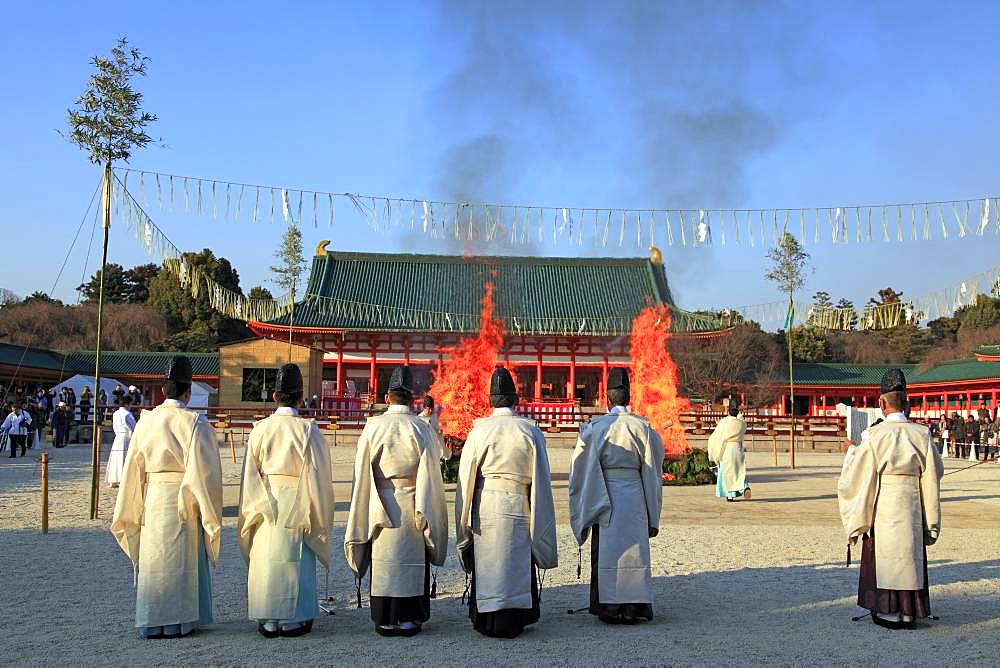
[[116, 286], [184, 314], [744, 361], [47, 324], [847, 306], [982, 313], [138, 279], [288, 274], [258, 292], [8, 298], [40, 298], [821, 300], [908, 341], [789, 262], [943, 330], [108, 123], [809, 344]]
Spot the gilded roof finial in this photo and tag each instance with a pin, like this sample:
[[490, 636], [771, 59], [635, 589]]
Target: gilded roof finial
[[321, 248], [655, 256]]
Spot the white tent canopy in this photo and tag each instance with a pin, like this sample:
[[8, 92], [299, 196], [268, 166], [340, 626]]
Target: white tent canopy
[[200, 393]]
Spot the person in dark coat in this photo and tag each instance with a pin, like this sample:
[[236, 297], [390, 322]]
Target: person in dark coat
[[61, 420], [85, 401], [957, 436]]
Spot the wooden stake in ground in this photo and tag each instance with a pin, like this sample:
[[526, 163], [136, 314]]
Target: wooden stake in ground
[[45, 492]]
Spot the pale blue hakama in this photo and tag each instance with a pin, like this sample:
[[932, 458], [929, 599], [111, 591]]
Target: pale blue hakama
[[204, 601], [720, 488]]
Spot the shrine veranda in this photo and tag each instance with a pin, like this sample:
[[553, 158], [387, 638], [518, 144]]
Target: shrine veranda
[[748, 582]]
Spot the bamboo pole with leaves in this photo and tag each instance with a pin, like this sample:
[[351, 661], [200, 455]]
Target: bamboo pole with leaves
[[108, 122], [789, 264], [288, 273]]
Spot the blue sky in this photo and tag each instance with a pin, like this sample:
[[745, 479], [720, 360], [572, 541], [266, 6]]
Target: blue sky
[[742, 104]]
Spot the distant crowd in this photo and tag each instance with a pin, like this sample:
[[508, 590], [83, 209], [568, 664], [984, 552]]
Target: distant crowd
[[972, 436], [28, 413]]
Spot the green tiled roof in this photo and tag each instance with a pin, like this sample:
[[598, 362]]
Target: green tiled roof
[[988, 350], [399, 292], [871, 374], [843, 374], [125, 363], [30, 358], [969, 369]]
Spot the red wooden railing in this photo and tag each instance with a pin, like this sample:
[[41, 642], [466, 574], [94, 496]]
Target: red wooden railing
[[563, 415]]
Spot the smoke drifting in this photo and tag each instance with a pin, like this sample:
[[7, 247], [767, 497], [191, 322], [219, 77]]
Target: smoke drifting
[[678, 97]]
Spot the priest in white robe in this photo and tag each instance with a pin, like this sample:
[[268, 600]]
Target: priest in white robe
[[429, 415], [725, 448], [889, 497], [286, 511], [168, 514], [397, 526], [505, 518], [615, 498], [123, 423]]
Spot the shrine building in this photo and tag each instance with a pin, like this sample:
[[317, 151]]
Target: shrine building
[[567, 320]]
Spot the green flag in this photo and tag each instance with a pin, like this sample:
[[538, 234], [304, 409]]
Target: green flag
[[790, 318]]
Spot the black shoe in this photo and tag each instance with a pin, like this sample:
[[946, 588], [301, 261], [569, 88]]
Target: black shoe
[[609, 619], [267, 634], [387, 631], [155, 636], [299, 631], [410, 632], [889, 624]]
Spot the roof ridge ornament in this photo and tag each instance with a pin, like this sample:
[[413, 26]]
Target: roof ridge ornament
[[655, 256], [321, 248]]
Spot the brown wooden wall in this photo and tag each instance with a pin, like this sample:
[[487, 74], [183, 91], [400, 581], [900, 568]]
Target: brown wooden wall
[[264, 354]]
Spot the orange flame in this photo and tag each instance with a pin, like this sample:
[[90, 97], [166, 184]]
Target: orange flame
[[655, 379], [463, 386]]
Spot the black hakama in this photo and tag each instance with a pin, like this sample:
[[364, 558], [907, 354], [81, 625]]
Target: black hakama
[[508, 623], [613, 613]]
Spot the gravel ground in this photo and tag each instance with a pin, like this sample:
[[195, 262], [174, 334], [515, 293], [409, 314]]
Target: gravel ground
[[735, 583]]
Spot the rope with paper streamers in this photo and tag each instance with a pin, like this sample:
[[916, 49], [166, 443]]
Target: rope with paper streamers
[[516, 225], [191, 277], [941, 303], [235, 305]]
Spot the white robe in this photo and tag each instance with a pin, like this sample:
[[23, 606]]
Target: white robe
[[615, 483], [170, 491], [286, 504], [123, 423], [891, 483], [398, 517], [725, 447], [504, 509]]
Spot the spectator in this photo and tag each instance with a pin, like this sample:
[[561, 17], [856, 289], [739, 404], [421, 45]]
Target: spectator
[[85, 402], [61, 420], [987, 436], [136, 396], [957, 431], [941, 429], [102, 404], [17, 426], [117, 394], [971, 434]]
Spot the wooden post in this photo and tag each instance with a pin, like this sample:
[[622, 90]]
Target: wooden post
[[45, 492], [95, 461], [791, 388], [232, 443]]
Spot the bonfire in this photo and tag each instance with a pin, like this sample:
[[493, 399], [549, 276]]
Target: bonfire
[[655, 378], [462, 388]]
